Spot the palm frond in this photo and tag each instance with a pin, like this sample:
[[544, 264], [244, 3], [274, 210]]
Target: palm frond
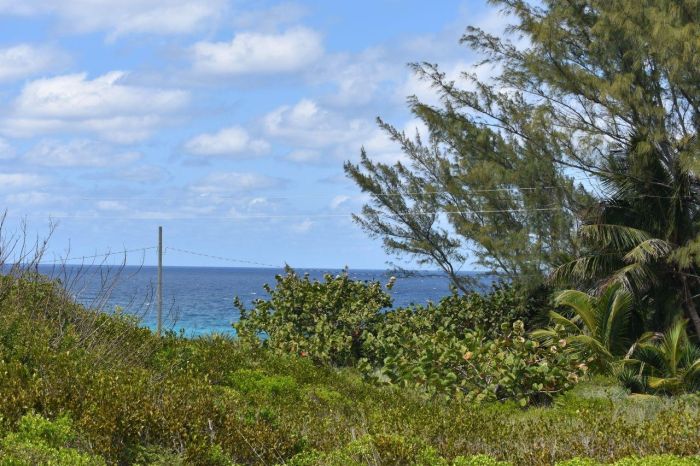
[[634, 277], [584, 268], [593, 345], [645, 338], [650, 250], [568, 324], [652, 356], [618, 316], [688, 254], [582, 304], [673, 343], [665, 384], [693, 371], [616, 237]]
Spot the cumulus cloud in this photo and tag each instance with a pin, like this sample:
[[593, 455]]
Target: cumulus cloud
[[359, 79], [123, 17], [259, 53], [20, 181], [312, 130], [305, 156], [105, 105], [233, 141], [218, 183], [23, 60], [339, 200], [302, 227], [308, 124], [77, 153]]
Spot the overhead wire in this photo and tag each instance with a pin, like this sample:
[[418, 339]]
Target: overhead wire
[[168, 248], [227, 259], [105, 255]]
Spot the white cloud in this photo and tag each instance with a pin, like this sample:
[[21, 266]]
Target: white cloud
[[123, 17], [30, 199], [105, 105], [11, 181], [308, 124], [310, 129], [302, 227], [258, 53], [77, 153], [339, 200], [304, 156], [359, 79], [23, 60], [227, 142], [7, 152], [218, 183]]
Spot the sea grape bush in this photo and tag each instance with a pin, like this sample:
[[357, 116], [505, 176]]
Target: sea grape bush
[[454, 316], [476, 368], [327, 321], [472, 346], [503, 303]]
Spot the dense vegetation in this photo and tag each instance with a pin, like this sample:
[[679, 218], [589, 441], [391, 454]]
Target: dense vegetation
[[81, 387], [589, 353]]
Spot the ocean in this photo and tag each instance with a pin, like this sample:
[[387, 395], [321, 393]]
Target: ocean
[[199, 300]]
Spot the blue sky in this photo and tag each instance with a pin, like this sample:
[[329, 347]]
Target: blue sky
[[226, 122]]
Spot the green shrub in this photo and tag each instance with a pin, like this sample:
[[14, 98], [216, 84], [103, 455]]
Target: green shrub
[[659, 460], [247, 381], [39, 441], [327, 321], [378, 449], [478, 460], [138, 399], [654, 460], [510, 367], [463, 346], [455, 316]]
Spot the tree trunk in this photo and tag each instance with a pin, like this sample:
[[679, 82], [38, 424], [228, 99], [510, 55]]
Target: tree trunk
[[690, 307]]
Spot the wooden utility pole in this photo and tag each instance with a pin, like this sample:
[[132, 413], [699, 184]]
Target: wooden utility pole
[[160, 279]]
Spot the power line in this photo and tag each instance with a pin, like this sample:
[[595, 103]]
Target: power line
[[186, 251], [228, 259], [82, 258]]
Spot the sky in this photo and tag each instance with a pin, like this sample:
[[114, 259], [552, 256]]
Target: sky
[[227, 122]]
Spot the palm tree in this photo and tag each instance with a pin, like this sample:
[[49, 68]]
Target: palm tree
[[666, 362], [599, 325], [645, 232]]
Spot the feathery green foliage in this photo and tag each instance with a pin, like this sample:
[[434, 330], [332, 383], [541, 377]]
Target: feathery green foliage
[[607, 91]]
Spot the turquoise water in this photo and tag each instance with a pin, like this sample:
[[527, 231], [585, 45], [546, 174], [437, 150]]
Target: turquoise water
[[199, 300]]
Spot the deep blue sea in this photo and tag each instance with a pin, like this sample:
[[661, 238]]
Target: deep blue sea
[[199, 300]]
